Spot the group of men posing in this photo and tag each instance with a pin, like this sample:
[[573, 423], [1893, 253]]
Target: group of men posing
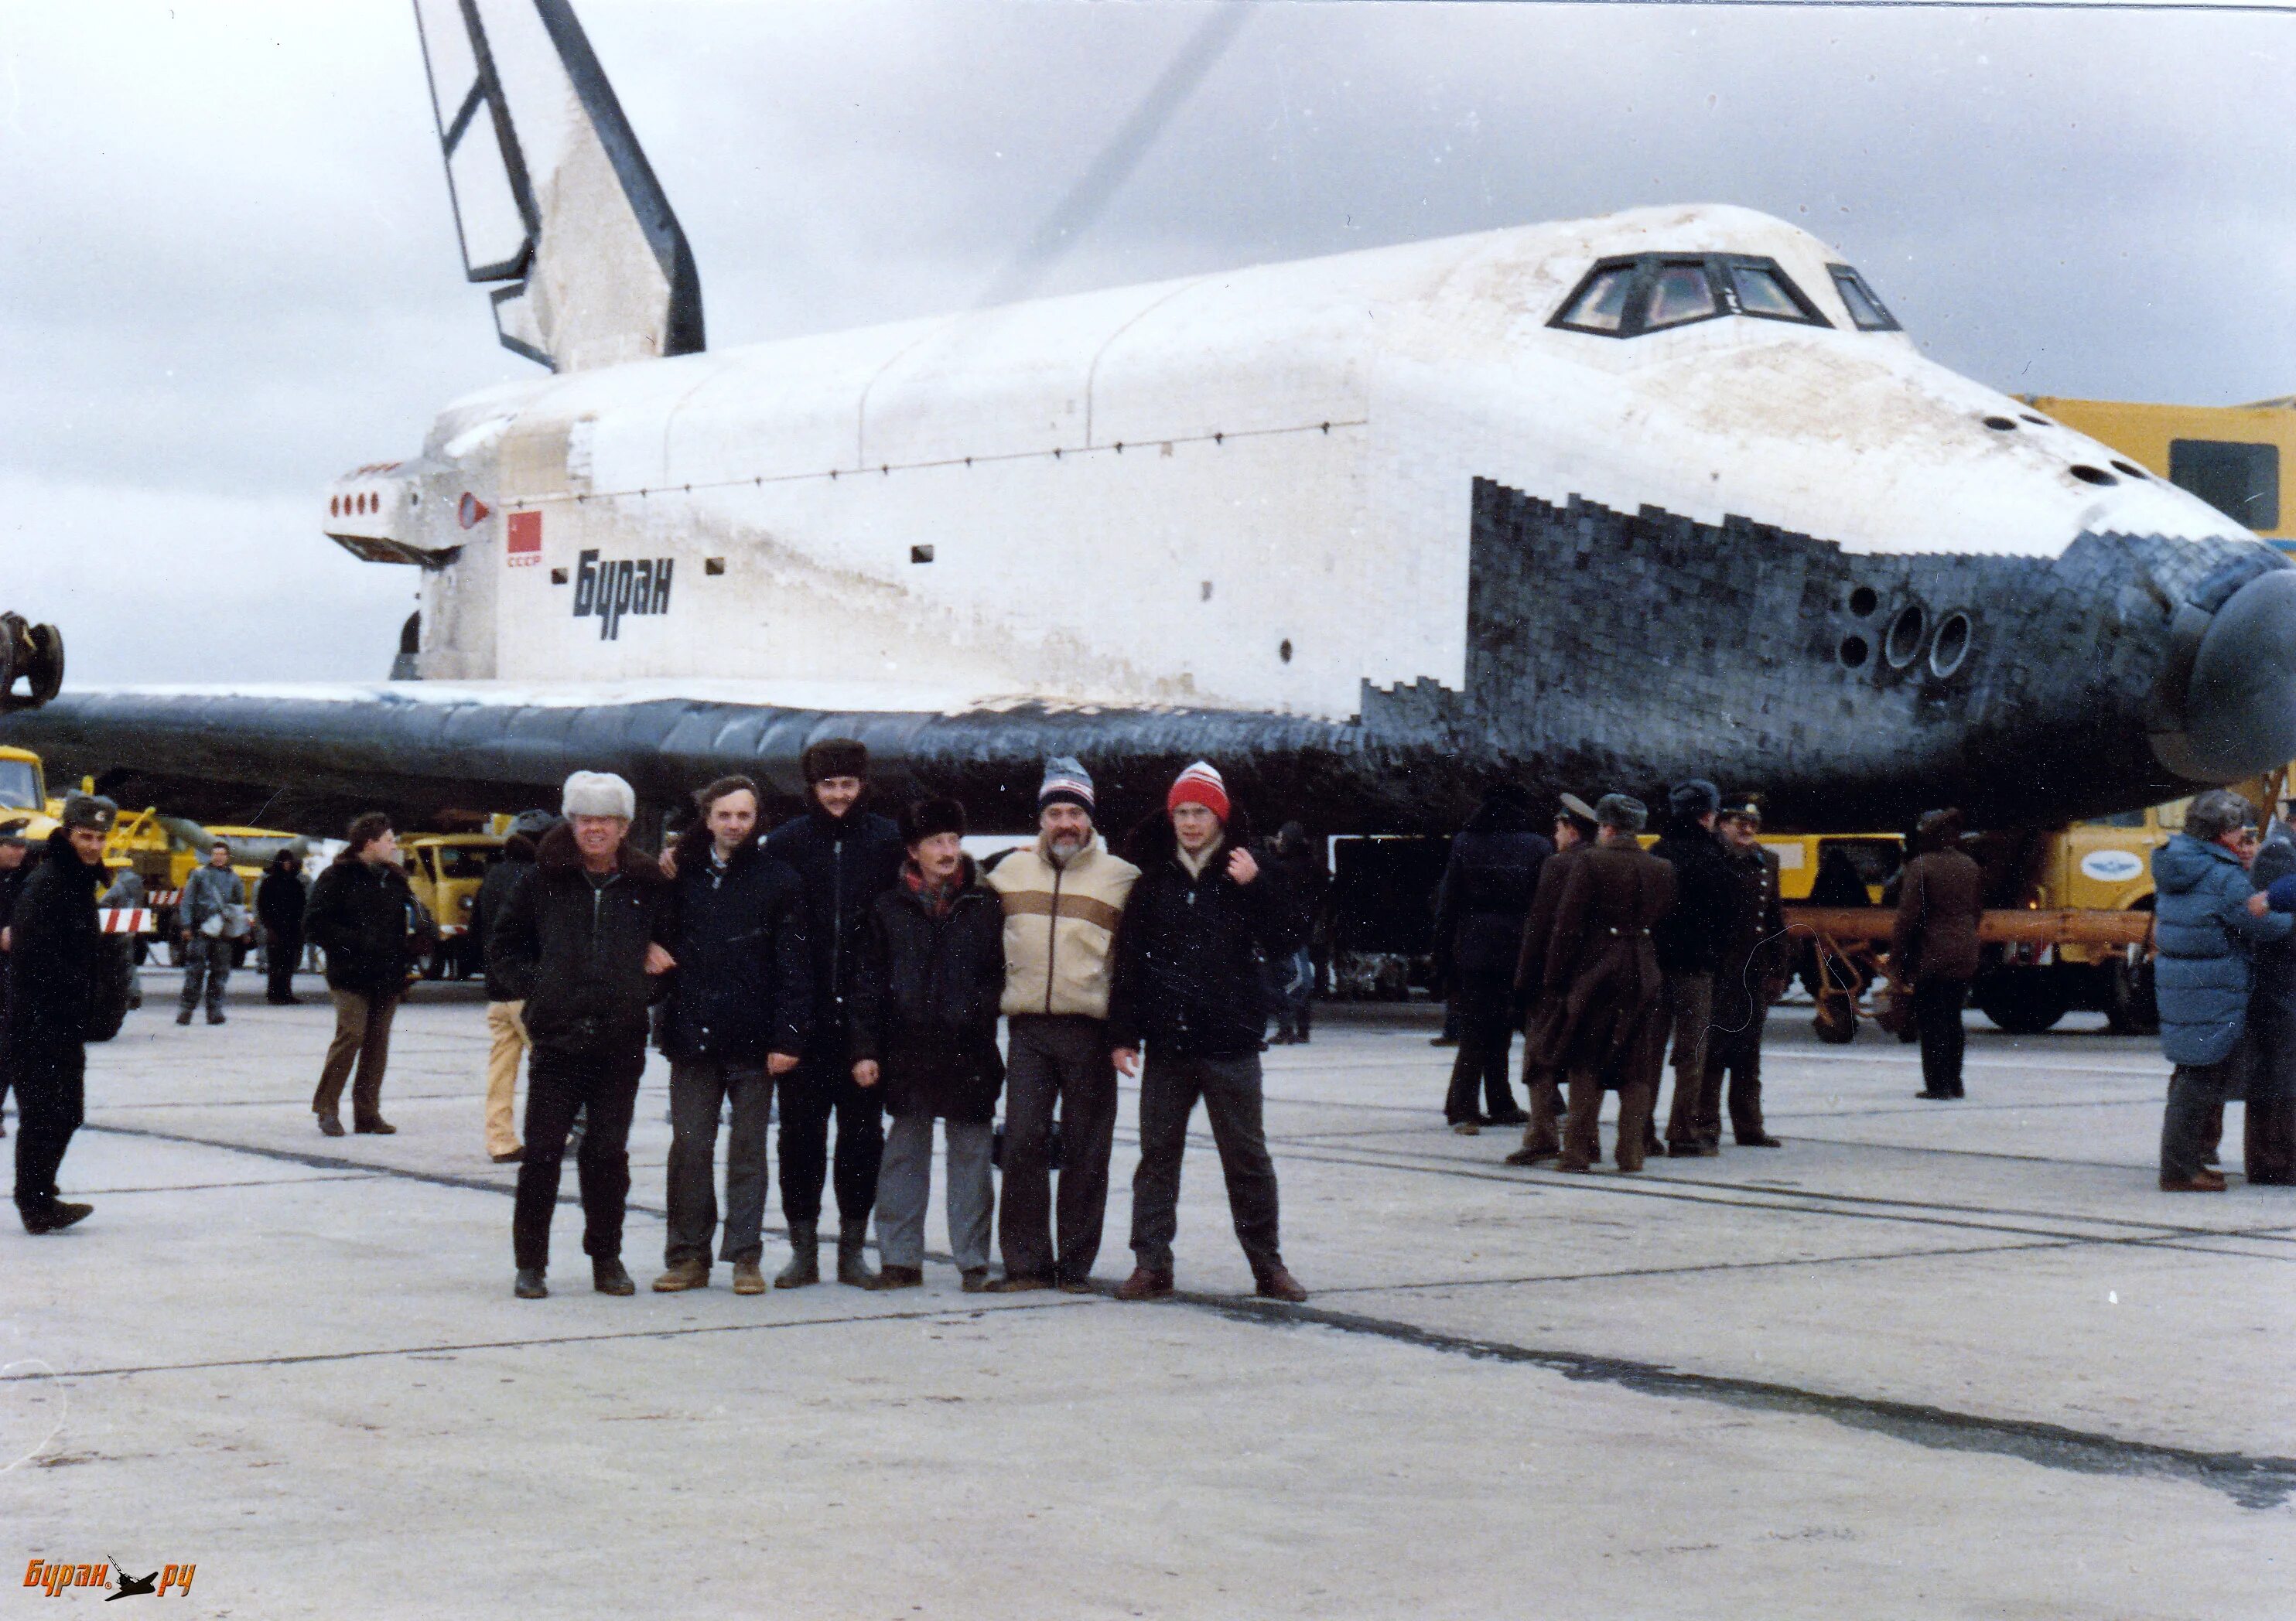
[[856, 968], [1606, 954]]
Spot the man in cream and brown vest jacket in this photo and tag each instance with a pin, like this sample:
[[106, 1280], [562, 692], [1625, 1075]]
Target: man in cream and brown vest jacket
[[1063, 896]]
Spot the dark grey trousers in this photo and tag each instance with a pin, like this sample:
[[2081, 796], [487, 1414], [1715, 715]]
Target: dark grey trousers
[[1057, 1060], [1690, 1020], [698, 1090], [2194, 1115], [207, 966], [1229, 1087]]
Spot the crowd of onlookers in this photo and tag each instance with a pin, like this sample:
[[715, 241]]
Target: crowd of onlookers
[[1612, 967]]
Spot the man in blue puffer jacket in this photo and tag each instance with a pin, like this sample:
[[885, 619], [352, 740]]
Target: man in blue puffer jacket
[[2206, 934]]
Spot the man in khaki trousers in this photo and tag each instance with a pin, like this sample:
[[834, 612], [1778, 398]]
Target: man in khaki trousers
[[506, 1041], [364, 916]]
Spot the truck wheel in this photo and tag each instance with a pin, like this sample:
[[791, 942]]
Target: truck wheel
[[2129, 1007], [45, 677], [2023, 1002], [1835, 1021]]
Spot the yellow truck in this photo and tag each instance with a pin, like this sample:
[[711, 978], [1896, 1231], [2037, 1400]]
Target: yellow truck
[[446, 870], [2228, 455], [23, 791], [2086, 873]]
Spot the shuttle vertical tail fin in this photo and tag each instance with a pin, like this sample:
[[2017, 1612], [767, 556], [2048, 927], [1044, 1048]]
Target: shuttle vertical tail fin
[[552, 198]]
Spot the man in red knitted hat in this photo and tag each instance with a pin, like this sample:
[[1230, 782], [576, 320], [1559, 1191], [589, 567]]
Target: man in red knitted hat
[[1188, 986]]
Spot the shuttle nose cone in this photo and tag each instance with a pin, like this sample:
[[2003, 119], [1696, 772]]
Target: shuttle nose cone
[[2239, 703]]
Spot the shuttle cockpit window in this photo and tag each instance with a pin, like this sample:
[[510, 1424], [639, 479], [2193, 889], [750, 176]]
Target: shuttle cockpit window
[[1679, 294], [1626, 298], [1866, 311], [1600, 304], [1766, 292]]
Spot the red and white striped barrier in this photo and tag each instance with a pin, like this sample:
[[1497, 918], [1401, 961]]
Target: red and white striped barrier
[[164, 898], [124, 919]]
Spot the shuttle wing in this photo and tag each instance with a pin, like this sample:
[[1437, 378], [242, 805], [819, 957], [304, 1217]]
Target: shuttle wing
[[418, 746]]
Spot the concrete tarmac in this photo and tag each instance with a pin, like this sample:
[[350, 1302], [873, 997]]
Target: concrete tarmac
[[1925, 1360]]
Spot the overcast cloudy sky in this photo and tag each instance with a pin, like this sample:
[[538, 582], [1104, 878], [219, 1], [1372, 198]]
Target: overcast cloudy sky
[[228, 273]]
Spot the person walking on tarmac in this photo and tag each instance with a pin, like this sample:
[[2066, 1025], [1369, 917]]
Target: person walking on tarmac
[[846, 857], [1933, 946], [506, 1041], [1201, 916], [583, 944], [735, 1028], [210, 921], [1607, 1031], [55, 959], [932, 972], [364, 916], [1690, 944], [1575, 831], [279, 904], [1479, 907], [1750, 975], [1063, 897]]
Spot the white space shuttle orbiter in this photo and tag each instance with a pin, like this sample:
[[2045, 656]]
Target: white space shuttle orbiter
[[1595, 504]]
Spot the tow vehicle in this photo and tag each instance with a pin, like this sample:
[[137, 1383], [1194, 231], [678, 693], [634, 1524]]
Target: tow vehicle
[[446, 870]]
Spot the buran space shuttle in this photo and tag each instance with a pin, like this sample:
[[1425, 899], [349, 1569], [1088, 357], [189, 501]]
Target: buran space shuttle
[[1589, 505]]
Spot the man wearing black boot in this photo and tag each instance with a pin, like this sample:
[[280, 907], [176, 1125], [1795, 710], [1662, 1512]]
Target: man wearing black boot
[[1752, 975], [582, 943], [54, 960], [846, 857], [1200, 918]]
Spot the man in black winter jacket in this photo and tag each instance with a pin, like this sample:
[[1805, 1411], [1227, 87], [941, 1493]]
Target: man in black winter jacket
[[1200, 919], [739, 1006], [56, 956], [364, 916], [924, 1034], [1690, 943], [280, 902], [1487, 883], [846, 857], [583, 945]]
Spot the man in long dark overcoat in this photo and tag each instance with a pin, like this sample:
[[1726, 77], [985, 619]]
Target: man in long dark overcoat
[[1602, 975]]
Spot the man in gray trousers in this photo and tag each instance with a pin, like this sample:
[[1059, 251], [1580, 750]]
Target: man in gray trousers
[[211, 919]]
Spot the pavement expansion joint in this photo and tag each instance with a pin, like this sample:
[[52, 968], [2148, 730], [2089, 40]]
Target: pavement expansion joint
[[2252, 1482]]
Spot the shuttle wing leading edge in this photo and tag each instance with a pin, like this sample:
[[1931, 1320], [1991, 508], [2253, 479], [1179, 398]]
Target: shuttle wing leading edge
[[419, 747]]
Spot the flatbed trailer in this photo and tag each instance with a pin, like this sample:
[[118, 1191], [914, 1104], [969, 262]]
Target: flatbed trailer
[[1851, 948]]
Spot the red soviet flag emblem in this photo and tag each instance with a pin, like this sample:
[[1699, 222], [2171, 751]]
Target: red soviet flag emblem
[[524, 547]]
